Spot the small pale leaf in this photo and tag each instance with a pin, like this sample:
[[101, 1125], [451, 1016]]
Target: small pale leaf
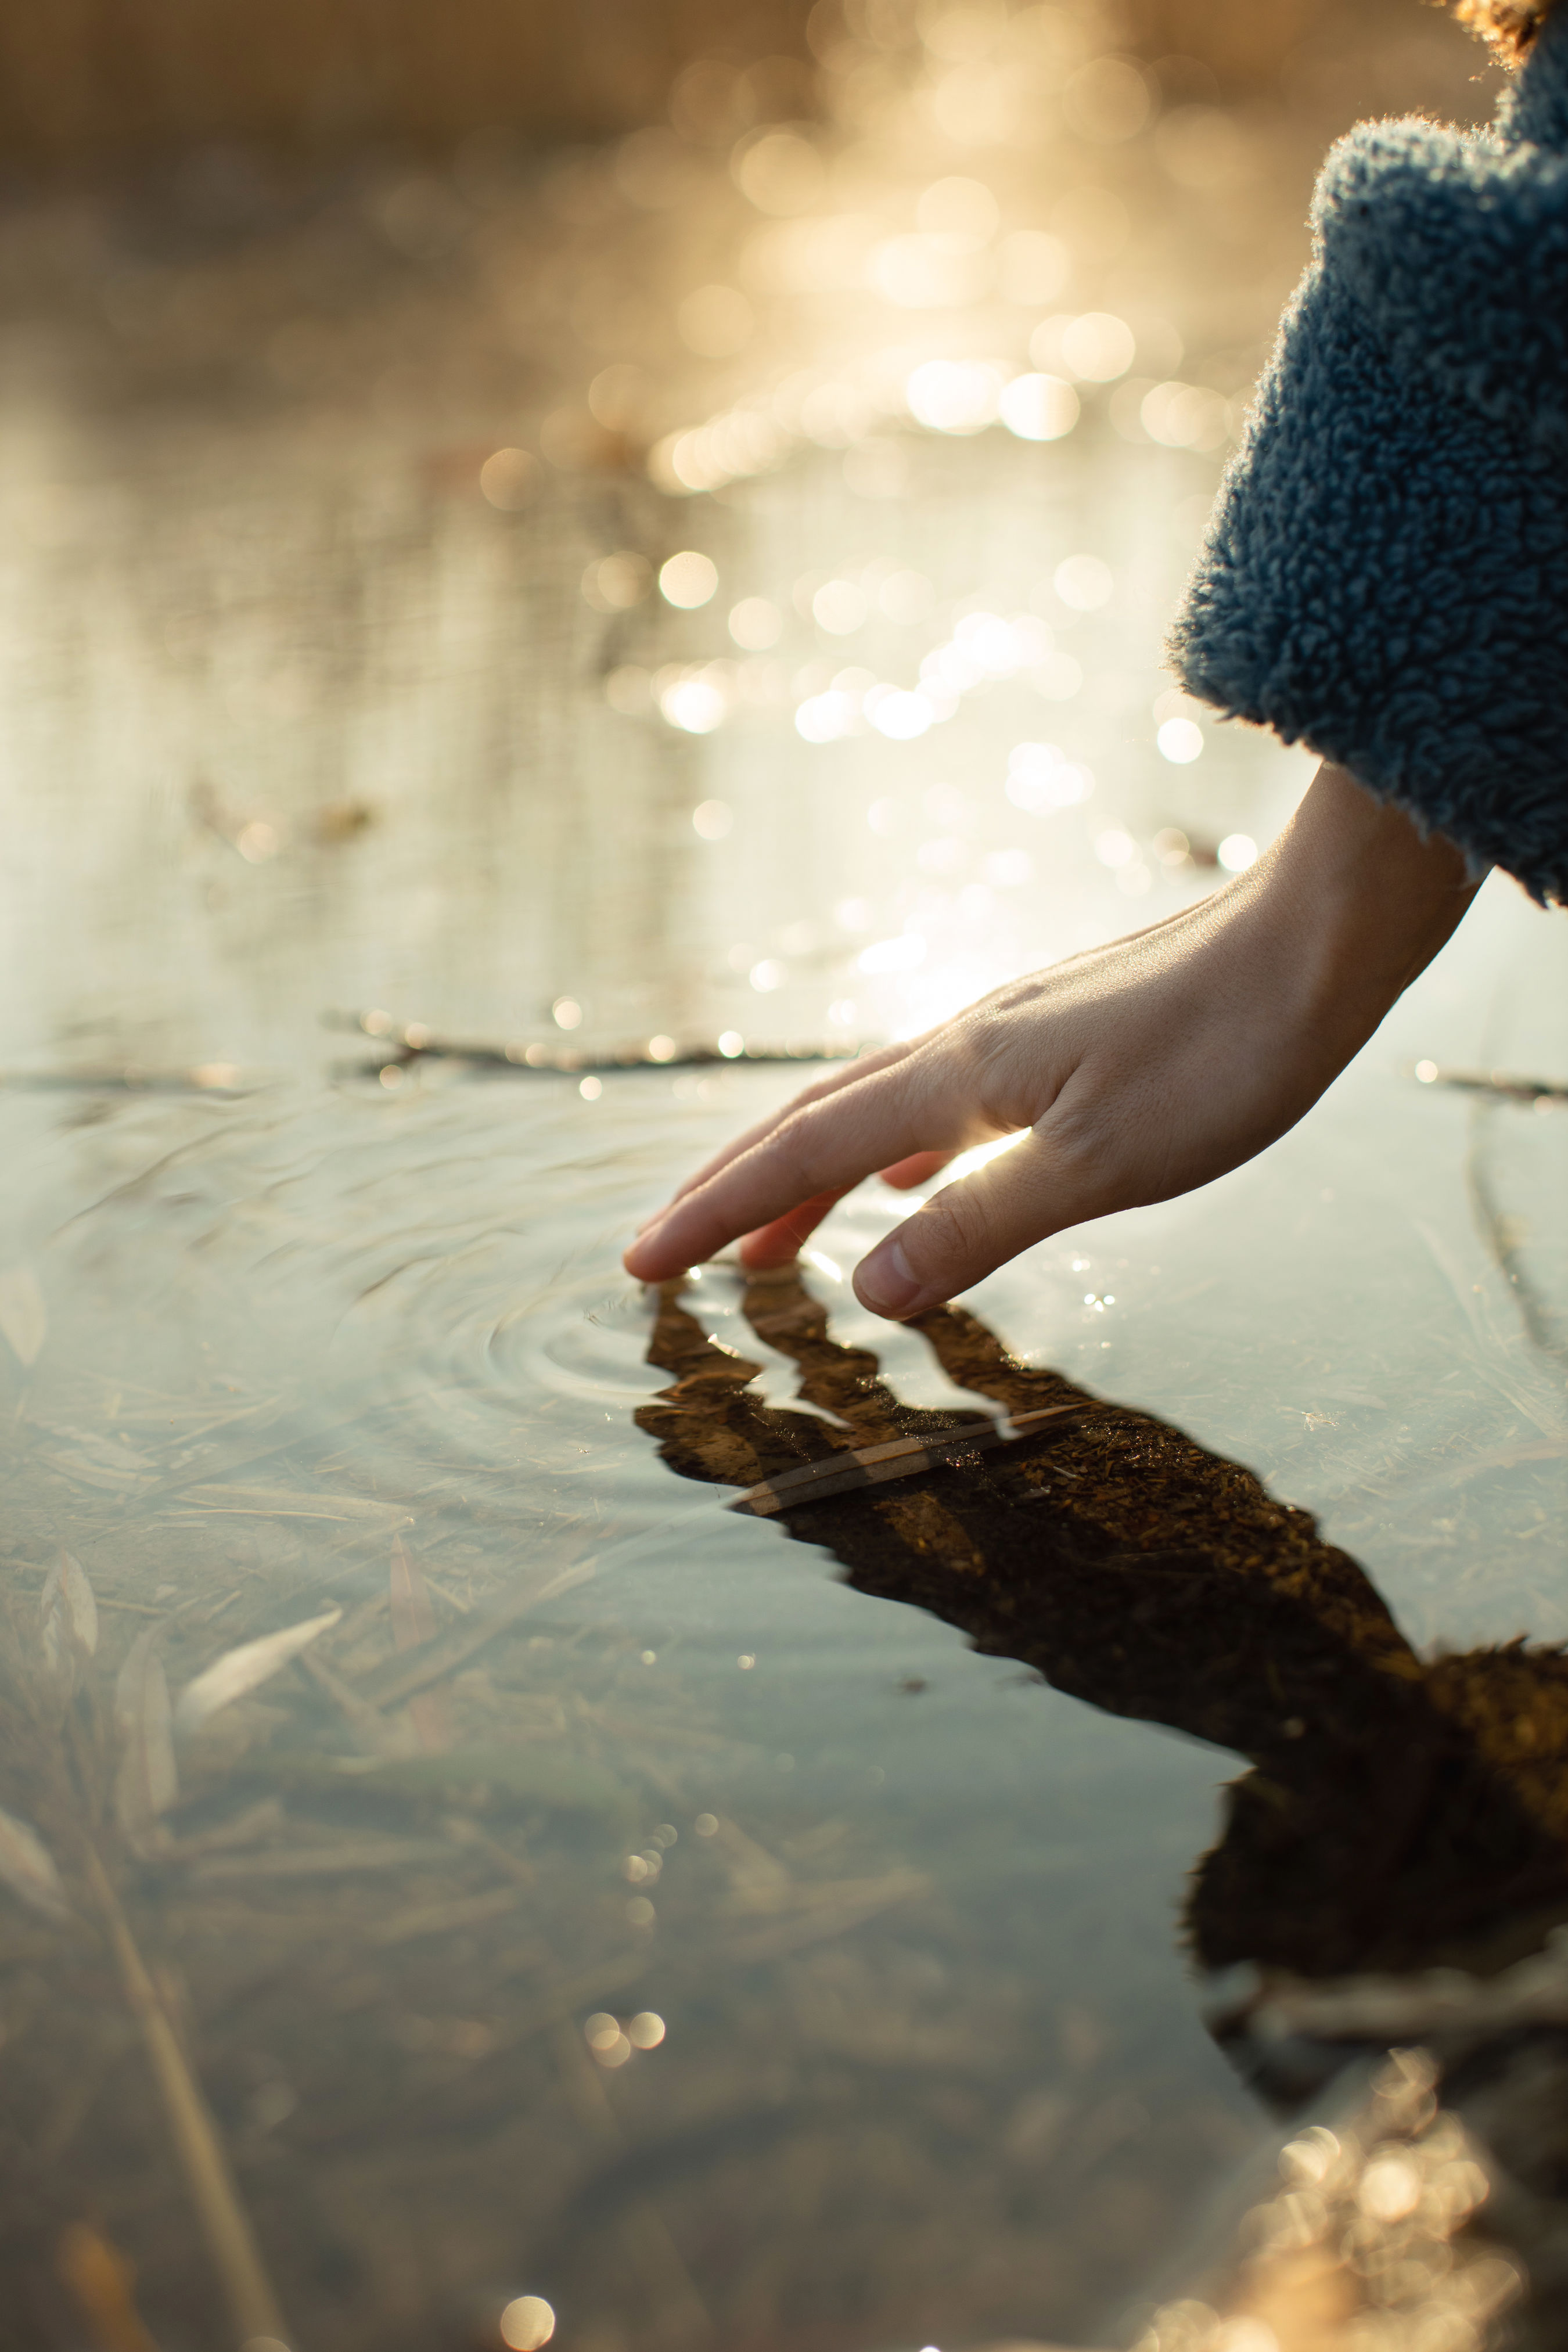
[[148, 1782], [241, 1670], [23, 1318], [27, 1868], [68, 1596]]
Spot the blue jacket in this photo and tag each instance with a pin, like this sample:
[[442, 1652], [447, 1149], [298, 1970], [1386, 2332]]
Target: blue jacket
[[1386, 577]]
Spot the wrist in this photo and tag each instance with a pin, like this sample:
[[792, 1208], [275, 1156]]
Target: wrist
[[1364, 898]]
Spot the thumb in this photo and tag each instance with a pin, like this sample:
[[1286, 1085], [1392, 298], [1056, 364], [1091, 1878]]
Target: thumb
[[970, 1228]]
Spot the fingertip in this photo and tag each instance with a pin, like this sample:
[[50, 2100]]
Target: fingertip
[[917, 1168], [887, 1283], [769, 1246], [642, 1261]]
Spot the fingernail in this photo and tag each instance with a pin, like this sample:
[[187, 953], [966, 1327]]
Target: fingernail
[[886, 1285], [648, 1223]]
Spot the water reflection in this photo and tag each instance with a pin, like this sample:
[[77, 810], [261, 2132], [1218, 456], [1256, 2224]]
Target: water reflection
[[1403, 1818]]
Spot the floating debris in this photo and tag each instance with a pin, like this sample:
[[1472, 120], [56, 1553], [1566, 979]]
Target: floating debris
[[1499, 1083], [408, 1043], [224, 2224], [903, 1457]]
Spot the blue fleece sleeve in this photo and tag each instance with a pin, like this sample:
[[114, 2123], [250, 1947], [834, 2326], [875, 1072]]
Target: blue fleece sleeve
[[1386, 577]]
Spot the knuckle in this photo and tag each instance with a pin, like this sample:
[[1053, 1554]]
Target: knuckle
[[1079, 1142], [944, 1233], [1076, 1143], [800, 1144]]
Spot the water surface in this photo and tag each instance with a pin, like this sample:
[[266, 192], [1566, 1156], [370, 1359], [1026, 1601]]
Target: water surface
[[610, 1901]]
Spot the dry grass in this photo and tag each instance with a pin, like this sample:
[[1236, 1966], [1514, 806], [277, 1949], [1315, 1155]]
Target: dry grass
[[92, 79]]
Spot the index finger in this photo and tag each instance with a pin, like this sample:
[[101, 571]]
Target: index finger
[[777, 1244], [818, 1146], [865, 1066]]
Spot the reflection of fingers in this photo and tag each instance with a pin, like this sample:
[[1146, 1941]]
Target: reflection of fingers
[[918, 1168], [824, 1148], [777, 1244], [971, 1228]]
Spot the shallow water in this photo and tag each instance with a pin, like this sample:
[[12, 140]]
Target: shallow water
[[931, 2064], [344, 2044]]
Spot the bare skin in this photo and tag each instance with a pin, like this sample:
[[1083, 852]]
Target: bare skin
[[1141, 1069]]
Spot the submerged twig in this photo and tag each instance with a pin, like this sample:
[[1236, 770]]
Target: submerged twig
[[253, 2304], [401, 1677], [413, 1625], [148, 1781], [1494, 1082], [404, 1043]]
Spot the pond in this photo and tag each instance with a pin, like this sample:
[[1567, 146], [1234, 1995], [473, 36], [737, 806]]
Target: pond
[[461, 1879]]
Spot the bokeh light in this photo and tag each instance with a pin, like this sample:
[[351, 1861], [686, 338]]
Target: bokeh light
[[1083, 582], [613, 583], [955, 396], [780, 171], [508, 479], [1039, 407], [526, 2323], [756, 624], [1185, 416], [688, 580], [899, 715], [1097, 347], [694, 704], [1181, 741], [839, 608]]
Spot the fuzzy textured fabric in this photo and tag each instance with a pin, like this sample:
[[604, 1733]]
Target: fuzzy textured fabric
[[1386, 577]]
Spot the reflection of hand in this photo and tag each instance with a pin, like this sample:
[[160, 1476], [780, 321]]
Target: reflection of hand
[[1403, 1815], [1142, 1068], [1400, 1809]]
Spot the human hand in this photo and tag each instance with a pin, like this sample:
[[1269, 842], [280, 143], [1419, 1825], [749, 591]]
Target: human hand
[[1141, 1069]]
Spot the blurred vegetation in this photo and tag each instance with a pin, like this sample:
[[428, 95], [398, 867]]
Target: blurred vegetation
[[86, 82]]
